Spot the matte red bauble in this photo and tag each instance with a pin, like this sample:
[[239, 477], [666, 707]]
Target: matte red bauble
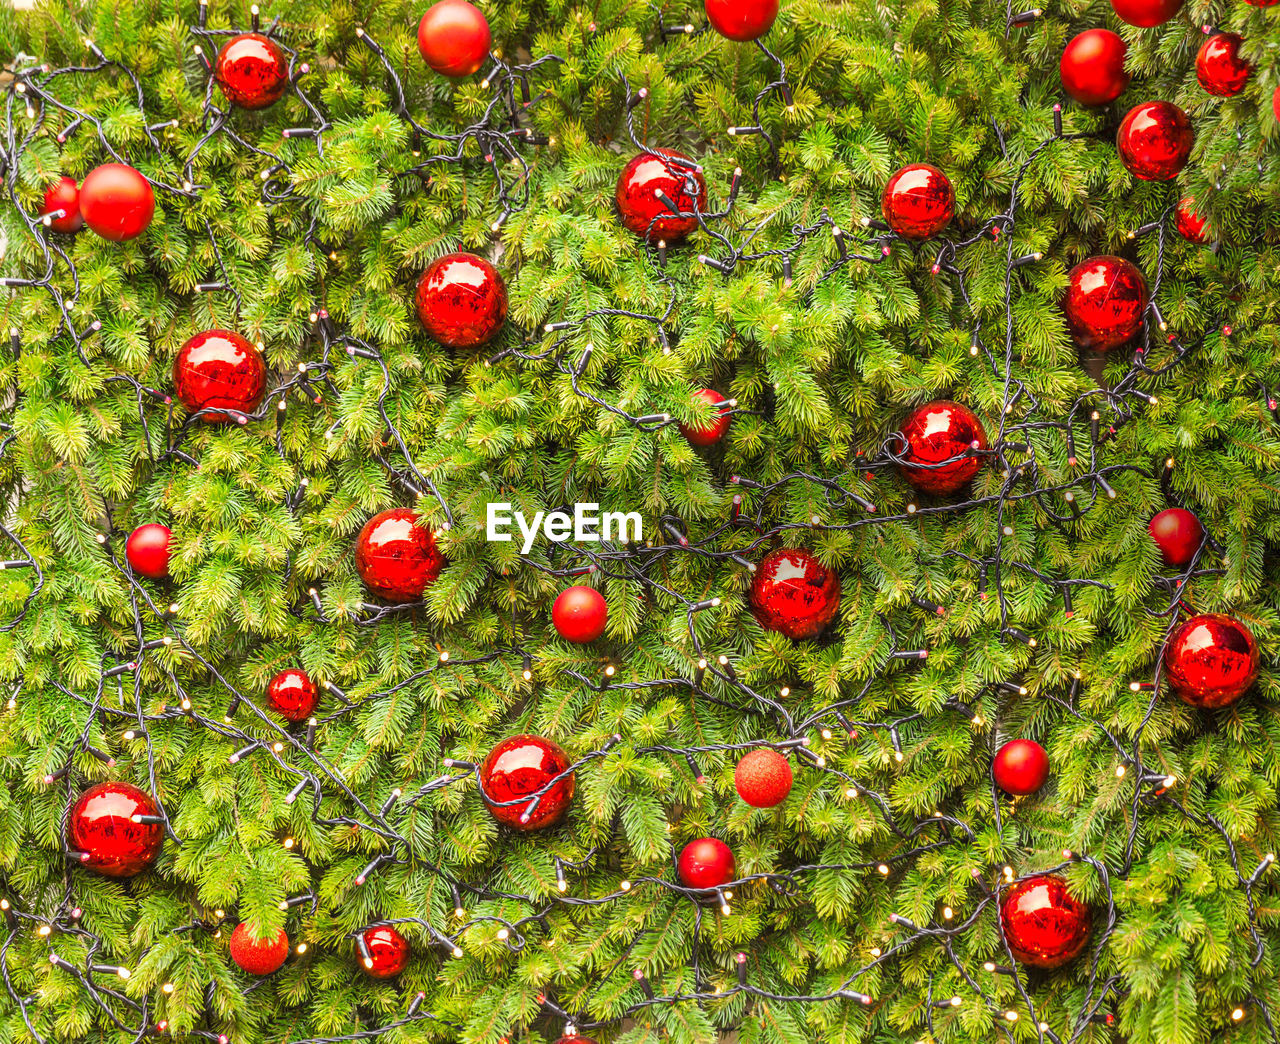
[[794, 594], [454, 38], [650, 173], [579, 614], [292, 694], [763, 778], [258, 956], [706, 863], [462, 300], [1092, 67], [918, 202], [1020, 767], [1219, 67], [116, 202], [714, 430], [741, 19], [520, 766], [1044, 925], [395, 558], [64, 195], [1178, 534], [1211, 660], [388, 952], [219, 368], [100, 826], [147, 550], [252, 71], [1146, 13], [1154, 141], [938, 432], [1105, 302], [1190, 224]]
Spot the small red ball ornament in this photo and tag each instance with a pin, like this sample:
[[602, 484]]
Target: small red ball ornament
[[252, 71], [1092, 67], [454, 38], [1146, 13], [1275, 102], [520, 766], [741, 19], [64, 195], [706, 863], [116, 202], [395, 558], [580, 614], [1154, 141], [1262, 3], [1044, 925], [147, 550], [101, 828], [918, 202], [462, 300], [1191, 226], [715, 429], [1020, 767], [258, 956], [292, 694], [388, 952], [1178, 534], [219, 368], [938, 432], [648, 174], [1211, 660], [1106, 299], [794, 594], [1219, 67], [763, 778]]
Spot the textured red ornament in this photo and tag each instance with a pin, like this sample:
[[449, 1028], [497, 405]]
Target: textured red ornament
[[1044, 925], [258, 956], [580, 614], [741, 19], [116, 202], [1106, 299], [219, 368], [252, 71], [1092, 67], [653, 172], [462, 300], [1211, 660], [395, 558], [63, 194], [763, 778], [1020, 767], [706, 863], [1154, 141], [794, 594], [1219, 67], [454, 38], [523, 765], [388, 952], [715, 429], [147, 550], [292, 694], [918, 202], [101, 826], [1190, 224], [937, 432], [1177, 533], [1146, 13]]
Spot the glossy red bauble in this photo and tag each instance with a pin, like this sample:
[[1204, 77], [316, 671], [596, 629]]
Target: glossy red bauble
[[252, 71], [1154, 141], [462, 300], [454, 38], [918, 202], [706, 863], [258, 956], [292, 694], [1105, 302], [1219, 67], [147, 550], [388, 952], [1275, 104], [100, 827], [1178, 534], [673, 174], [1211, 660], [219, 368], [1020, 767], [579, 614], [1146, 13], [1092, 67], [714, 430], [64, 195], [395, 558], [938, 432], [116, 202], [763, 778], [1190, 224], [1044, 925], [522, 766], [741, 19], [794, 594]]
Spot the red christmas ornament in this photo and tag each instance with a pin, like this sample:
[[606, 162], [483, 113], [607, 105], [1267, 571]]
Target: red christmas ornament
[[1190, 224], [1211, 660], [116, 202], [1146, 13], [741, 19], [918, 201], [462, 300], [258, 956], [715, 429], [147, 550], [1154, 141], [794, 594], [706, 863], [576, 1038], [1177, 533], [650, 173], [579, 614], [63, 194], [1106, 299], [388, 952], [252, 71], [1020, 767], [1262, 3], [1275, 101], [763, 778], [1219, 67], [219, 368], [454, 38], [937, 432], [292, 694], [523, 765], [101, 828], [1092, 67], [395, 558], [1044, 925]]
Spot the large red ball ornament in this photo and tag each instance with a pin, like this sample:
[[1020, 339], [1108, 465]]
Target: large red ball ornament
[[1219, 67], [579, 614], [100, 827], [292, 694], [64, 195], [258, 956], [252, 71], [763, 778], [1092, 67], [706, 863], [462, 300], [918, 201], [1146, 13], [794, 594], [395, 558], [714, 430], [1105, 302], [147, 550], [388, 952], [938, 432], [1211, 660], [116, 202], [1020, 767], [454, 38], [1191, 226], [1178, 534], [741, 19], [219, 368], [1044, 925], [523, 765], [650, 173], [1154, 141]]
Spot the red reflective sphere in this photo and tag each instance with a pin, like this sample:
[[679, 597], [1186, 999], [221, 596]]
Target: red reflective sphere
[[462, 300], [219, 368], [918, 202], [706, 863], [1105, 302], [63, 194], [652, 172], [763, 778], [1044, 925], [258, 956], [579, 614], [1146, 13], [1154, 141], [521, 766], [1190, 224], [395, 558], [1020, 767], [1092, 67], [292, 694], [714, 430], [1219, 67], [454, 38], [101, 827], [147, 550], [116, 202], [1177, 533], [1211, 660], [741, 19], [388, 952], [252, 71], [794, 594], [938, 432]]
